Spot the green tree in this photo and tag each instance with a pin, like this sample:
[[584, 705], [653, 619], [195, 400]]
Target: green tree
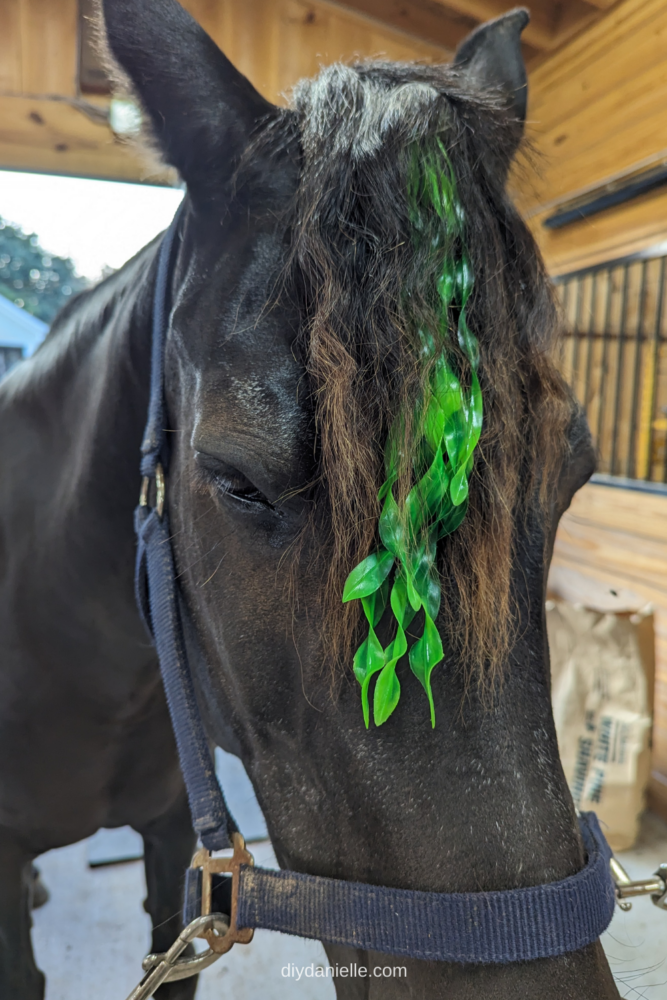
[[33, 279]]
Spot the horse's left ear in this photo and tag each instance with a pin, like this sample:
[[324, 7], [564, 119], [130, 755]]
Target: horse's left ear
[[203, 112], [491, 57]]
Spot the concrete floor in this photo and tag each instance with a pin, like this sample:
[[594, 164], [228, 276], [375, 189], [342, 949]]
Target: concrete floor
[[91, 936]]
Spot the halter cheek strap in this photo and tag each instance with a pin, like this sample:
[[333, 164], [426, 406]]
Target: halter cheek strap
[[156, 591], [477, 927]]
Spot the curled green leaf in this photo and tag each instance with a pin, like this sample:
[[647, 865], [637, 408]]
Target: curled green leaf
[[426, 654], [368, 576], [368, 660], [445, 430]]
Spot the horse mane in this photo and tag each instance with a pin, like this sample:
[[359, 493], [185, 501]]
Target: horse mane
[[353, 266]]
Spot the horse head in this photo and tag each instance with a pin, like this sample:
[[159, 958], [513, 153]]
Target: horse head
[[306, 325]]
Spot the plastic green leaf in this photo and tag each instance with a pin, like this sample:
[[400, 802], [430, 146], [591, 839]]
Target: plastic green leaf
[[375, 604], [451, 518], [464, 280], [403, 610], [446, 387], [368, 659], [426, 654], [467, 340], [392, 527], [388, 690], [446, 286], [434, 423], [427, 581], [387, 694], [447, 423], [455, 435], [368, 575]]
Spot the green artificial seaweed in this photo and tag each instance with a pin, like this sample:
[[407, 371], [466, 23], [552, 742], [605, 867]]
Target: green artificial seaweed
[[403, 570]]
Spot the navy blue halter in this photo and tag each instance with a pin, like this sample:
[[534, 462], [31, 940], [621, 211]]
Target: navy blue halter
[[474, 927]]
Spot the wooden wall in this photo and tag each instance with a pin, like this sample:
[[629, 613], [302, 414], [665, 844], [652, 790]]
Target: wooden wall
[[598, 109], [46, 125], [619, 537]]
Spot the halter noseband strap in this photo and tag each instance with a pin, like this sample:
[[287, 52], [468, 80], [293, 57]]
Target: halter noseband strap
[[476, 927]]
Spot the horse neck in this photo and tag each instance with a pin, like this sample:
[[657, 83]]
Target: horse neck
[[99, 360]]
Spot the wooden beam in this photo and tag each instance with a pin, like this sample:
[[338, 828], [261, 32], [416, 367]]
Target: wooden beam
[[573, 18], [615, 233], [426, 19], [10, 46], [49, 46], [601, 4], [539, 34], [57, 137]]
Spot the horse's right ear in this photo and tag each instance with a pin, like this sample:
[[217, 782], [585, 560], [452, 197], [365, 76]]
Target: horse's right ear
[[491, 57], [202, 110]]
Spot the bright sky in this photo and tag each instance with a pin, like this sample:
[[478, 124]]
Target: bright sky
[[96, 223]]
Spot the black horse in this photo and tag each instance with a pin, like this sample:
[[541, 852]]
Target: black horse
[[285, 358]]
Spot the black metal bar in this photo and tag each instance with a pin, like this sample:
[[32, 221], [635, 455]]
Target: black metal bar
[[619, 369], [631, 461], [589, 342], [604, 360], [656, 361], [575, 332], [653, 178], [566, 296]]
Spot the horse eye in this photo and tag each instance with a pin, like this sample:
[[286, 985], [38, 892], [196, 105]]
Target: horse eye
[[231, 482], [235, 484]]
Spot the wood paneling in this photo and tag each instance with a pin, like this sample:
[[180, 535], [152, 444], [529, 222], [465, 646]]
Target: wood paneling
[[277, 42], [619, 537], [597, 109], [49, 46], [427, 20], [58, 137], [274, 42], [625, 230], [10, 46]]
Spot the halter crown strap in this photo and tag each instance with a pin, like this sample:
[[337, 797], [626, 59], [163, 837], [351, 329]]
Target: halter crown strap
[[157, 595], [480, 927]]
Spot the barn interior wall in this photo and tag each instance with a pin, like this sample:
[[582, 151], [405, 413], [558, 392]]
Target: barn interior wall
[[597, 109], [45, 124]]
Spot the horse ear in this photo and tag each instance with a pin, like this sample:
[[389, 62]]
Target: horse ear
[[202, 110], [491, 57]]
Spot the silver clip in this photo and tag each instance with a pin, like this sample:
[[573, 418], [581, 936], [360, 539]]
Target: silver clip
[[655, 887], [170, 966]]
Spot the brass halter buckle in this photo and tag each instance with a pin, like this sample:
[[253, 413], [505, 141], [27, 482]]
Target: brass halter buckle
[[160, 490], [219, 932], [221, 943]]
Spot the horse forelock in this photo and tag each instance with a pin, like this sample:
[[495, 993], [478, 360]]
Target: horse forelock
[[353, 266]]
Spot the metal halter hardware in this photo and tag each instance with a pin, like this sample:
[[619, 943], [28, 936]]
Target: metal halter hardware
[[493, 927], [160, 490], [626, 888], [219, 930]]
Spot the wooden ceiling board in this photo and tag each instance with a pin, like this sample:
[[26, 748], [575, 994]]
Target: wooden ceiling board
[[11, 79], [539, 33], [55, 137], [582, 151], [628, 229], [274, 42], [597, 111], [49, 46], [428, 20], [277, 42], [632, 35]]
